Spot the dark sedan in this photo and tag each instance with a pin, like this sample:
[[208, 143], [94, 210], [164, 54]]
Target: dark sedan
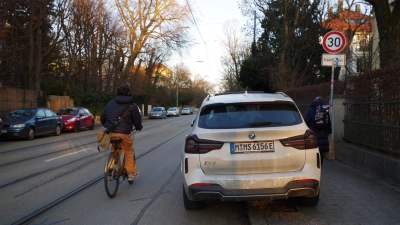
[[31, 122], [76, 118]]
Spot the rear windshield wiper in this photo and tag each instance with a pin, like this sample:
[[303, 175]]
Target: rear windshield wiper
[[263, 123]]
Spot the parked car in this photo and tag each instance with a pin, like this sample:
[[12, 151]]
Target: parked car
[[158, 112], [76, 118], [31, 122], [173, 111], [186, 111], [250, 146]]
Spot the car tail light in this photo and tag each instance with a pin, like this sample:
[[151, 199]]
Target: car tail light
[[194, 145], [306, 141]]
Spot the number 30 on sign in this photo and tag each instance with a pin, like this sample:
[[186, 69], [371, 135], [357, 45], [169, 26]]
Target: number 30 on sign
[[334, 42]]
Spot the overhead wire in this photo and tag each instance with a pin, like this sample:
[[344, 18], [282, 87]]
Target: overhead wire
[[195, 23]]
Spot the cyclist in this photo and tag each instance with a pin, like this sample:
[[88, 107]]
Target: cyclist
[[111, 113]]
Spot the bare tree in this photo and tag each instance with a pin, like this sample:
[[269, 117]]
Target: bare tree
[[93, 46], [236, 49], [388, 21], [200, 88], [152, 19]]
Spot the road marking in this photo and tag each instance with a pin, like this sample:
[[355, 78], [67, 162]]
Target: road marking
[[48, 160]]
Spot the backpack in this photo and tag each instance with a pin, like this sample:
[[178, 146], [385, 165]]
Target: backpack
[[321, 116]]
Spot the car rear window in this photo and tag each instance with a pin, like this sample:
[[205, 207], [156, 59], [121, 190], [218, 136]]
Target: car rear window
[[246, 115], [67, 111]]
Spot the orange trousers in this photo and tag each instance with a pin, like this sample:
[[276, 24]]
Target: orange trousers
[[127, 147]]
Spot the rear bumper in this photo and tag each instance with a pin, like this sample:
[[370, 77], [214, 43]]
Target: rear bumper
[[155, 116], [291, 189]]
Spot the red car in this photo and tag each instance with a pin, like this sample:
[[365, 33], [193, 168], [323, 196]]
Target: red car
[[76, 118]]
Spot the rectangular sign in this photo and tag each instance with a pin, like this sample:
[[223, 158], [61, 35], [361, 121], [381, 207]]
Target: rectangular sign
[[252, 147], [333, 59]]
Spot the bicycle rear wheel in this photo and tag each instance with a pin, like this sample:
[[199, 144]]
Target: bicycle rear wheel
[[111, 178]]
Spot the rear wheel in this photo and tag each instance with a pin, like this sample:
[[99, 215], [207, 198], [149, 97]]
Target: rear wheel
[[92, 126], [30, 135], [57, 131], [191, 205], [77, 127], [308, 201], [111, 178]]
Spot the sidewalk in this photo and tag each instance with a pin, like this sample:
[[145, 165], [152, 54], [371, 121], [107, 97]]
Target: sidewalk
[[348, 196]]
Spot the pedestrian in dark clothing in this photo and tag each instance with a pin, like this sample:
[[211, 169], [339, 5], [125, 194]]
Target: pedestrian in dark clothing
[[323, 133], [122, 103]]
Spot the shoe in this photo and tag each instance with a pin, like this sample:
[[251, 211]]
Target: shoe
[[131, 176]]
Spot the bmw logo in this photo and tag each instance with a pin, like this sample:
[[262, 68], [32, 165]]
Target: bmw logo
[[252, 135]]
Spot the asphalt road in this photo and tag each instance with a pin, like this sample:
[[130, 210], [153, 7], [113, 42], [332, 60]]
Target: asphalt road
[[36, 172]]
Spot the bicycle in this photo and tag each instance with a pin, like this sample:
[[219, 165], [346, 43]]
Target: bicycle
[[114, 170]]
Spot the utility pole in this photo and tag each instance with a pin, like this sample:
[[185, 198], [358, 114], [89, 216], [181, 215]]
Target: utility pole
[[253, 45]]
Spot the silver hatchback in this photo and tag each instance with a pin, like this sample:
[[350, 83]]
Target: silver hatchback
[[158, 113], [250, 146]]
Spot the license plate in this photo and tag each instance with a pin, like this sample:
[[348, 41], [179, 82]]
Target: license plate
[[252, 147], [3, 131]]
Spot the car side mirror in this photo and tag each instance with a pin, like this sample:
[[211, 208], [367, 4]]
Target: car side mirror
[[192, 122]]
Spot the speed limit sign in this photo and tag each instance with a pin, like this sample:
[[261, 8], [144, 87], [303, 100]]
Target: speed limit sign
[[334, 42]]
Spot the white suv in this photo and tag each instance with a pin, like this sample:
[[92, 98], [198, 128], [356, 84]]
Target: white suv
[[250, 146]]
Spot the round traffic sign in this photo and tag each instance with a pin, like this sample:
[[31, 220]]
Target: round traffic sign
[[334, 42]]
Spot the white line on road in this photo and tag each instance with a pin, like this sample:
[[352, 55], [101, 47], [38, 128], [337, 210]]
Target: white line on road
[[66, 155]]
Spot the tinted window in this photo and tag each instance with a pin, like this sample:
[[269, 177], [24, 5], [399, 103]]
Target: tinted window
[[41, 113], [21, 113], [248, 115], [67, 111], [156, 109], [48, 113]]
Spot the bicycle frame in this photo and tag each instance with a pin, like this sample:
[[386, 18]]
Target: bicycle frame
[[114, 169]]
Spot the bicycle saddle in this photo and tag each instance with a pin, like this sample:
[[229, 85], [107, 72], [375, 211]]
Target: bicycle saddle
[[115, 139]]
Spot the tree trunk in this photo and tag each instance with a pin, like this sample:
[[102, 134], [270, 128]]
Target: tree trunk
[[389, 38]]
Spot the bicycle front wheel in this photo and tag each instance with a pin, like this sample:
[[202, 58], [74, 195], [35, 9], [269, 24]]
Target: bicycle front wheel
[[111, 178]]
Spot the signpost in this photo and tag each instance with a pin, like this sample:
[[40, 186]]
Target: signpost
[[333, 42], [333, 60]]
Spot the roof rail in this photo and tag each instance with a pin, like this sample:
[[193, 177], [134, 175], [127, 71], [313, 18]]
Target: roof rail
[[239, 92], [285, 95]]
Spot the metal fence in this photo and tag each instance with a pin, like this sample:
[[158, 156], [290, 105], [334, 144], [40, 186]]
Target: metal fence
[[373, 122]]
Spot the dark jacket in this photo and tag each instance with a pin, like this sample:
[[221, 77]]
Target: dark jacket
[[116, 108], [322, 134]]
